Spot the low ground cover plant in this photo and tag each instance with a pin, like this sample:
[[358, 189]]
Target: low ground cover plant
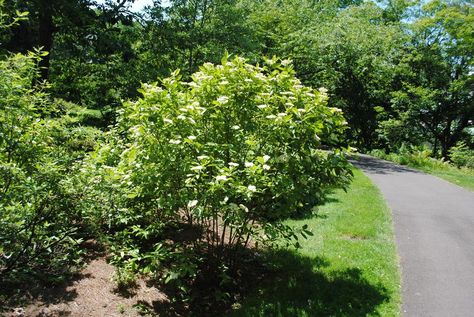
[[196, 172], [460, 156]]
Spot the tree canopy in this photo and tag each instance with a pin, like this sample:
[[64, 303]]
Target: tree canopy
[[400, 70]]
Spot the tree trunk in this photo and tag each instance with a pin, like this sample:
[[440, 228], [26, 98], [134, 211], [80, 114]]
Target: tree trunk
[[435, 147], [45, 36], [445, 139], [445, 150], [450, 138]]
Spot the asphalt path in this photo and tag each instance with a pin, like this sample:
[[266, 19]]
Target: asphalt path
[[434, 232]]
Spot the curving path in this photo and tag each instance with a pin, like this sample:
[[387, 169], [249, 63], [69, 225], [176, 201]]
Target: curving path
[[434, 231]]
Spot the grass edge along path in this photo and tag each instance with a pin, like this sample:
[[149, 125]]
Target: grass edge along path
[[463, 177], [349, 266], [454, 175]]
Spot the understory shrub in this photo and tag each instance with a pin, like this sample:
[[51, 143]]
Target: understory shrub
[[41, 227], [462, 156], [195, 172]]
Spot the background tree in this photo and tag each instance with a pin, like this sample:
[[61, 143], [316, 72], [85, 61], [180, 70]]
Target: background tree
[[188, 33], [435, 79], [351, 49], [46, 18]]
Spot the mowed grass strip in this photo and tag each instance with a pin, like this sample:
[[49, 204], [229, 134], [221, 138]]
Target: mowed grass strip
[[348, 267], [462, 177]]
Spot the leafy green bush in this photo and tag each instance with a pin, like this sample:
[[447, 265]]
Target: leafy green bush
[[41, 226], [75, 115], [461, 155], [196, 171]]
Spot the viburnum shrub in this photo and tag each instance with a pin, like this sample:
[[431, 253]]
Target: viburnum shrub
[[215, 164]]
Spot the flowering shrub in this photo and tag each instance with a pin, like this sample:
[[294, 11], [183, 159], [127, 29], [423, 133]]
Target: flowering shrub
[[218, 162]]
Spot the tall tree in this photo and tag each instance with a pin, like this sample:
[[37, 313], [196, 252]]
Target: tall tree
[[48, 18], [188, 33], [349, 49], [436, 76]]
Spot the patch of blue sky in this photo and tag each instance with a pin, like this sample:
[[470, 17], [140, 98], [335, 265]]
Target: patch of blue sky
[[139, 5]]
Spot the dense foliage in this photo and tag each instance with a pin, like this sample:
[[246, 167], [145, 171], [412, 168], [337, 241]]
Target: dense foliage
[[40, 141], [461, 155], [41, 225]]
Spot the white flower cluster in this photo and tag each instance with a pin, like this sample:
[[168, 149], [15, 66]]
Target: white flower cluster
[[223, 100]]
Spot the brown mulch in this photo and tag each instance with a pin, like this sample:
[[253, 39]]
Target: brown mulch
[[91, 293]]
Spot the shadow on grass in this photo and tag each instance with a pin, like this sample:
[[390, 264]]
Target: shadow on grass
[[298, 288], [313, 212]]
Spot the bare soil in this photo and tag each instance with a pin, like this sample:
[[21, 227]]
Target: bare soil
[[91, 293]]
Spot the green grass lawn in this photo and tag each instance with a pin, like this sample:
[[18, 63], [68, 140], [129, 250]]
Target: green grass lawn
[[348, 267]]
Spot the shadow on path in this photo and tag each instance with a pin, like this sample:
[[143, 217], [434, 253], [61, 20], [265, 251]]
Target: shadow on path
[[378, 166]]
